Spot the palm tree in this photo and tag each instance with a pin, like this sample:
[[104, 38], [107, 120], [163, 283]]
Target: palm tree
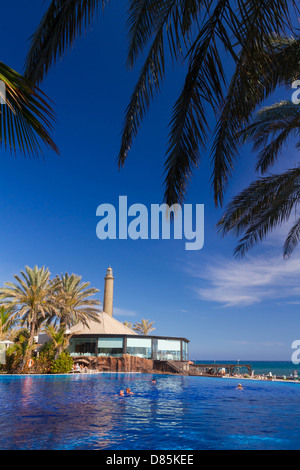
[[59, 337], [143, 327], [32, 297], [128, 324], [7, 321], [197, 34], [26, 117], [73, 302], [22, 348]]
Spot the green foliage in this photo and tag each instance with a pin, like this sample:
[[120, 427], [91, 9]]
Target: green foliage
[[45, 359], [7, 321], [12, 362], [22, 350], [32, 296], [74, 302], [22, 332], [63, 364], [26, 119], [40, 303], [144, 327]]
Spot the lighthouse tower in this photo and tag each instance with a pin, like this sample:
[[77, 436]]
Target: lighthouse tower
[[108, 292]]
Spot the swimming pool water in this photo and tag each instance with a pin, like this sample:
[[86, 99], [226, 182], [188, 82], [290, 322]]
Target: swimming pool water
[[84, 412]]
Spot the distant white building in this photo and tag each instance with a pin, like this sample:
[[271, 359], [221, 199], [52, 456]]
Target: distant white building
[[4, 345]]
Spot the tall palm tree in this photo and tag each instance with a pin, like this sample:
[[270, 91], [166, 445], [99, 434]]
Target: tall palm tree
[[26, 117], [73, 302], [31, 296], [272, 200], [144, 327], [198, 34]]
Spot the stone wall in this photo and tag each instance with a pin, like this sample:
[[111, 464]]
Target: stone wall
[[125, 363]]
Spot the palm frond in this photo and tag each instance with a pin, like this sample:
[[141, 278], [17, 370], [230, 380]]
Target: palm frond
[[146, 17], [270, 130], [73, 302], [57, 31], [257, 73], [26, 117], [147, 85], [163, 22], [292, 240], [203, 84], [253, 35], [265, 204], [31, 296], [144, 327], [142, 21]]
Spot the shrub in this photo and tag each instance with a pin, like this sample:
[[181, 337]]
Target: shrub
[[45, 359], [13, 363], [63, 364]]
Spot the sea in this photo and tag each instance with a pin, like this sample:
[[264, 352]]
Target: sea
[[278, 368]]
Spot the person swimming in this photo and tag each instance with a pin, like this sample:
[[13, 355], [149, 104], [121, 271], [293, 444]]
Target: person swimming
[[240, 387], [128, 391], [121, 393], [154, 381]]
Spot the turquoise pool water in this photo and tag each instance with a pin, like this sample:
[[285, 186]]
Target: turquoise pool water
[[82, 412]]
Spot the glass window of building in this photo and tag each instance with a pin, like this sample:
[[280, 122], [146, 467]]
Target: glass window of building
[[110, 347], [140, 347], [82, 346], [168, 350], [185, 351]]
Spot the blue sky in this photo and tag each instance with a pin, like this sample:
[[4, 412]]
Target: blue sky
[[246, 309]]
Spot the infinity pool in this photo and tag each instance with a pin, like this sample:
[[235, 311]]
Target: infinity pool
[[84, 412]]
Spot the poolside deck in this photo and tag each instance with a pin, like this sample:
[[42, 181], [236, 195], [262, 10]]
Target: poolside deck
[[214, 369]]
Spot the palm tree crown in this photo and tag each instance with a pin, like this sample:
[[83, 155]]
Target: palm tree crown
[[73, 300], [144, 327], [31, 296]]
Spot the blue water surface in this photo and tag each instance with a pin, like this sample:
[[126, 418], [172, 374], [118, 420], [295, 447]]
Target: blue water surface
[[84, 412]]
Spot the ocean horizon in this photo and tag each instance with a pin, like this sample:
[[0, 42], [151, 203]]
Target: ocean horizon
[[278, 368]]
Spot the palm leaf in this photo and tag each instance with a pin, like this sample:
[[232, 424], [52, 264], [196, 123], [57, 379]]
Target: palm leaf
[[259, 69], [189, 126], [25, 117], [265, 204], [73, 302], [57, 31], [292, 240], [276, 124], [150, 78]]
